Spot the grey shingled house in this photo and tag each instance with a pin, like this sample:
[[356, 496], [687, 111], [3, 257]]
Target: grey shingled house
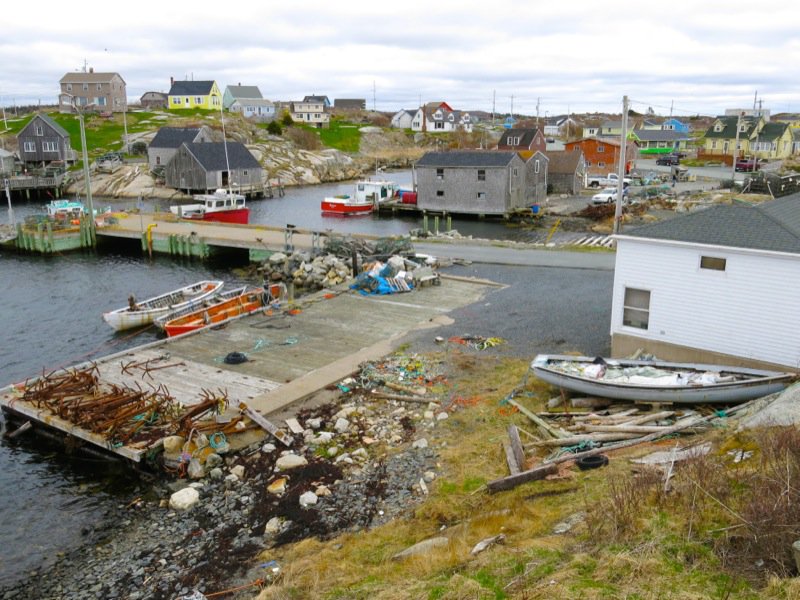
[[203, 167], [168, 139], [471, 182], [43, 141]]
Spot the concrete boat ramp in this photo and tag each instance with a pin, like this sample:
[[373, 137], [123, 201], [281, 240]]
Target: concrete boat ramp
[[291, 353]]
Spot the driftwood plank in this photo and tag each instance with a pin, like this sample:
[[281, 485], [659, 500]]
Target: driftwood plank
[[401, 398], [512, 481], [516, 446], [556, 433], [267, 425], [513, 465], [594, 437]]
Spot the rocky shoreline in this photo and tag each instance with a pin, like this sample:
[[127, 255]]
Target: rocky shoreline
[[360, 462]]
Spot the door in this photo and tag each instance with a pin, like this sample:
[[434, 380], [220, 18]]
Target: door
[[225, 178]]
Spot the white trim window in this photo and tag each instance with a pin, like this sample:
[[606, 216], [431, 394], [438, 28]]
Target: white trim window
[[536, 166], [636, 308], [198, 99], [49, 147], [39, 130], [29, 147]]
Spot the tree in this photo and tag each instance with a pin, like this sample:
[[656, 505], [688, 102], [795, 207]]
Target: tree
[[286, 119], [274, 128]]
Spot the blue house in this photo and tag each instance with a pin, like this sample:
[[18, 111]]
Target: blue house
[[672, 124]]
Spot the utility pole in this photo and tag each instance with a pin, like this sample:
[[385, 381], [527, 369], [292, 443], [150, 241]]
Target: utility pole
[[494, 99], [85, 156], [537, 111], [736, 148], [671, 104], [10, 210], [621, 168], [373, 95], [512, 108]]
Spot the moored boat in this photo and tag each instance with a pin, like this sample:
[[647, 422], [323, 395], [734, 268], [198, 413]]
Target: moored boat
[[139, 314], [657, 381], [365, 198], [247, 300], [223, 206]]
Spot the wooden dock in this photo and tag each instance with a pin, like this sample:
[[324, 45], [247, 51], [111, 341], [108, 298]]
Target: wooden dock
[[165, 233], [290, 356]]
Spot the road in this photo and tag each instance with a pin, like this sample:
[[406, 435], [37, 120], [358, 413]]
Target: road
[[527, 257], [716, 173]]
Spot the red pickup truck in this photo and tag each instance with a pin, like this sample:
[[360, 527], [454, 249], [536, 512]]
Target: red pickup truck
[[747, 164]]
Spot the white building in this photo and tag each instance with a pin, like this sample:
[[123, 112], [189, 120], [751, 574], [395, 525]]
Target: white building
[[438, 117], [719, 285], [255, 108], [402, 119]]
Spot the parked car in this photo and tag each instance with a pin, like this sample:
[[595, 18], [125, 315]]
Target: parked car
[[609, 196], [747, 164], [610, 179], [668, 159]]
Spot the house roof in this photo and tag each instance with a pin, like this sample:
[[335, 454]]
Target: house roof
[[659, 135], [191, 88], [47, 119], [90, 77], [563, 161], [526, 136], [173, 137], [773, 226], [728, 131], [155, 95], [244, 91], [611, 125], [772, 131], [466, 159], [323, 99], [211, 156]]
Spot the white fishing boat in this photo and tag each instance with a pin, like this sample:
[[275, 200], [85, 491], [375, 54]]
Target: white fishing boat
[[657, 381], [223, 206], [139, 314]]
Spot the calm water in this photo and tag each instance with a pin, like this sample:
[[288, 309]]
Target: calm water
[[50, 316]]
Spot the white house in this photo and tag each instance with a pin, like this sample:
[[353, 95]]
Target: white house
[[311, 112], [439, 117], [717, 286], [256, 108], [402, 119]]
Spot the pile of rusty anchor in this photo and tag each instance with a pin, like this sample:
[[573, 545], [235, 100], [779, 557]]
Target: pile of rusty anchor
[[123, 414]]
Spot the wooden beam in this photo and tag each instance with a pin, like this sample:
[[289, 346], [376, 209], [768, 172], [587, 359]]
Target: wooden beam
[[513, 465], [267, 425], [512, 481], [554, 432], [594, 437], [516, 446]]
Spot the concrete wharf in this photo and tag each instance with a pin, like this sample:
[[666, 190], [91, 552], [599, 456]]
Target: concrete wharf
[[290, 356]]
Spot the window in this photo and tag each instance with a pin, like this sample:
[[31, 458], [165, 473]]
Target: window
[[481, 174], [536, 166], [158, 160], [49, 147], [601, 164], [636, 308], [29, 147], [69, 87], [438, 125], [516, 172], [440, 193], [176, 100], [714, 144], [601, 148], [39, 130], [481, 195], [713, 263], [186, 100], [99, 86], [439, 173], [198, 100], [85, 87]]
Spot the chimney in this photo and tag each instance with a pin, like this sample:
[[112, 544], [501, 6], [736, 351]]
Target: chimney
[[91, 69], [171, 81]]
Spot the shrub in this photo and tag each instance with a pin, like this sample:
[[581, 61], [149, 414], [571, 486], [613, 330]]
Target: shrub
[[138, 148], [303, 138], [286, 119], [275, 128]]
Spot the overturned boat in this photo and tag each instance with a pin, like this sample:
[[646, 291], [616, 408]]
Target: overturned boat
[[657, 381]]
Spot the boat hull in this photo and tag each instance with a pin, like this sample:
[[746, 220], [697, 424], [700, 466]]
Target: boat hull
[[756, 382], [243, 304], [148, 310], [240, 216], [343, 208]]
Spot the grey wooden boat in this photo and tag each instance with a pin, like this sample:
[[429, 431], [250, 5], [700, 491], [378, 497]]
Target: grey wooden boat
[[657, 381]]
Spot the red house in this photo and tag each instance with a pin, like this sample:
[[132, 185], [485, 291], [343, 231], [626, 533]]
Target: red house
[[522, 139], [602, 154]]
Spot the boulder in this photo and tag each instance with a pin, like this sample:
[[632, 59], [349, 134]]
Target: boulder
[[278, 486], [184, 499], [238, 470], [308, 499], [195, 469], [420, 443], [341, 425], [423, 547], [290, 461], [277, 258], [173, 444]]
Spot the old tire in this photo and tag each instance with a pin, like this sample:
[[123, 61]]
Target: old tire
[[592, 462]]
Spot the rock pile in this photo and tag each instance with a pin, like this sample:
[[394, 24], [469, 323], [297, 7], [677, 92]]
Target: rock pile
[[306, 273]]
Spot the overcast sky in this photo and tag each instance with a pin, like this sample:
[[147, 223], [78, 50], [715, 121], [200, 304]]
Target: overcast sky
[[699, 56]]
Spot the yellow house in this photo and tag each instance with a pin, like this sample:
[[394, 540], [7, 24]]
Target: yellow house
[[757, 137], [194, 94]]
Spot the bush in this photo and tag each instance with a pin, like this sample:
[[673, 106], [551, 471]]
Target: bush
[[304, 139], [137, 148], [275, 128], [286, 119]]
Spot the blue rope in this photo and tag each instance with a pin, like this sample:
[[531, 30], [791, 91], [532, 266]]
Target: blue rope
[[212, 441]]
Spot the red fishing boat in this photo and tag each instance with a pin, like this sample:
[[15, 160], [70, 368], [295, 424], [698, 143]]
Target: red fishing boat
[[366, 197], [222, 207]]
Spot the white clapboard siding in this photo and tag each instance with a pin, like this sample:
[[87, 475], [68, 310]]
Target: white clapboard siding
[[752, 309]]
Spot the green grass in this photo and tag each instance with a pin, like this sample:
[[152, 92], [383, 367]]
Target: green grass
[[341, 135]]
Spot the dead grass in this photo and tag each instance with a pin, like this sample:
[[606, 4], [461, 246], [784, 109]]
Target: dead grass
[[638, 541]]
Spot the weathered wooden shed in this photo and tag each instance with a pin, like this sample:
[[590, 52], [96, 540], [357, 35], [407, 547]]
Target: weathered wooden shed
[[203, 167], [566, 171], [168, 139], [536, 174], [471, 182], [43, 140]]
